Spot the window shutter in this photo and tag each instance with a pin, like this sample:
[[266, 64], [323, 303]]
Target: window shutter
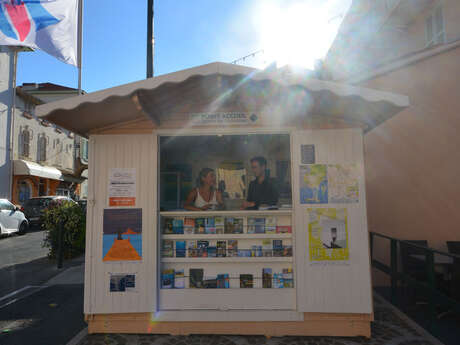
[[429, 31], [26, 142], [42, 149], [439, 25]]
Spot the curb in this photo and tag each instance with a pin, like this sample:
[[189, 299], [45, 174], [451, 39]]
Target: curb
[[79, 337]]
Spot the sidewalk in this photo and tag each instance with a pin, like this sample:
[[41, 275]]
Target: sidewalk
[[391, 327], [53, 315]]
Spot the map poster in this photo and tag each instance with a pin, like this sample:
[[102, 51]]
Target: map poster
[[122, 187], [122, 234], [328, 234], [343, 183], [313, 184]]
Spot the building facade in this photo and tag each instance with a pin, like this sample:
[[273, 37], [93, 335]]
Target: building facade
[[45, 159], [409, 47], [7, 67]]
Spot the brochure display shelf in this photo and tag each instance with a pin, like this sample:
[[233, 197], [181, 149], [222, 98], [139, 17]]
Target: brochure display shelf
[[226, 260]]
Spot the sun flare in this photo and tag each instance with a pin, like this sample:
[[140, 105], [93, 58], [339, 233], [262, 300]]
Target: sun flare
[[298, 33]]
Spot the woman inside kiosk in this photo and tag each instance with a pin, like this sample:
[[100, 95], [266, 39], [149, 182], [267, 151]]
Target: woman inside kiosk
[[205, 197]]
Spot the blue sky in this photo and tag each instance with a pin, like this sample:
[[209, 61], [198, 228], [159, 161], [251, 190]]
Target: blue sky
[[188, 33]]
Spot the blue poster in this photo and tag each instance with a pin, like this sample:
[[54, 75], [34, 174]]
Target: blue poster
[[313, 184]]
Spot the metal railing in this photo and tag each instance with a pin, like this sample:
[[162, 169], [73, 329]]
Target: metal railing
[[435, 297]]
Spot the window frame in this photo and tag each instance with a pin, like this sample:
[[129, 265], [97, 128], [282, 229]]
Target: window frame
[[222, 132], [42, 143], [25, 144], [436, 36]]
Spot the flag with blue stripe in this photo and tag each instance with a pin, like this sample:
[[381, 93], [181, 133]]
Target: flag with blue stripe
[[49, 25]]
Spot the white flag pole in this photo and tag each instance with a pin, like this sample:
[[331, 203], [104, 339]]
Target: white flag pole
[[80, 43]]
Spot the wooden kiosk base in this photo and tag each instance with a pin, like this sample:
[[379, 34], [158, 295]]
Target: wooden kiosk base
[[314, 324]]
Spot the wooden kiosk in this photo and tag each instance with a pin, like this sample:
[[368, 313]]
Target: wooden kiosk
[[304, 271]]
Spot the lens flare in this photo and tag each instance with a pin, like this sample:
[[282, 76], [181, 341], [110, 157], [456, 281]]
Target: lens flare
[[298, 32]]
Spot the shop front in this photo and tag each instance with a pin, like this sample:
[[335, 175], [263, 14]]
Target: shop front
[[226, 200], [33, 180]]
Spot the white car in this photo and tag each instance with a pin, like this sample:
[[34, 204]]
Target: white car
[[11, 219]]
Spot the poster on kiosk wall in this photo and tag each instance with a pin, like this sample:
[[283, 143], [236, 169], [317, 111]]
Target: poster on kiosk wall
[[122, 235], [328, 234], [122, 187]]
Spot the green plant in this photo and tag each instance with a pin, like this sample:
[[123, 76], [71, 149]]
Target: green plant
[[72, 219]]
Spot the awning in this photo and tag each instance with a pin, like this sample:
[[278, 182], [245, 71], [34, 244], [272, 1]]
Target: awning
[[222, 84], [21, 167], [73, 179]]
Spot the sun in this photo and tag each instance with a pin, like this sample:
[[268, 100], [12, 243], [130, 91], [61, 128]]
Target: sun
[[300, 32]]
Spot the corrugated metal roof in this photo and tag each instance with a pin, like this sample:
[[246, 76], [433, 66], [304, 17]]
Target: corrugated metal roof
[[123, 103]]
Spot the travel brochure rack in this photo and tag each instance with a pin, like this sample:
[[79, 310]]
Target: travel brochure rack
[[226, 260]]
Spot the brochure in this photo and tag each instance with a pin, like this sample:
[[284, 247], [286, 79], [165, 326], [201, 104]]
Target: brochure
[[288, 278], [167, 279], [260, 225], [229, 225], [270, 225], [212, 251], [221, 249], [202, 248], [210, 227], [200, 225], [223, 281], [238, 226], [283, 229], [178, 226], [179, 279], [266, 248], [246, 281], [180, 249], [251, 225], [219, 223], [189, 225], [168, 226], [267, 278], [278, 248], [167, 249], [232, 247], [196, 278], [192, 249]]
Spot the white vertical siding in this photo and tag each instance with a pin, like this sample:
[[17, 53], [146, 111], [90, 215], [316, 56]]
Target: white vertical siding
[[333, 288], [121, 151]]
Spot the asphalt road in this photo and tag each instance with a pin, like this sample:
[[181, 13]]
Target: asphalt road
[[21, 249], [34, 309], [23, 262]]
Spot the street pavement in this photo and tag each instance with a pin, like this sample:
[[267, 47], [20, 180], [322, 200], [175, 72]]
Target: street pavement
[[39, 304], [24, 262]]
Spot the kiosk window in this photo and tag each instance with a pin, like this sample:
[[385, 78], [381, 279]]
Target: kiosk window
[[236, 161]]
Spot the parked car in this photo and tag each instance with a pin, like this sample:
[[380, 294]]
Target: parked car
[[35, 207], [12, 219]]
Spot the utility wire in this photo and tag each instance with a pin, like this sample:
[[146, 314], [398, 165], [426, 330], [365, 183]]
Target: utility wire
[[247, 56]]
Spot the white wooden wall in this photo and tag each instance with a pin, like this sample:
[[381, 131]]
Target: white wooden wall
[[333, 288], [121, 151]]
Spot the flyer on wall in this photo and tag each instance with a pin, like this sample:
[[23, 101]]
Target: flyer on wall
[[328, 234], [122, 187]]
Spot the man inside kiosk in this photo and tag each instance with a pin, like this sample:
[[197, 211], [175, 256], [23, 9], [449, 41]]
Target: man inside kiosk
[[261, 192]]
